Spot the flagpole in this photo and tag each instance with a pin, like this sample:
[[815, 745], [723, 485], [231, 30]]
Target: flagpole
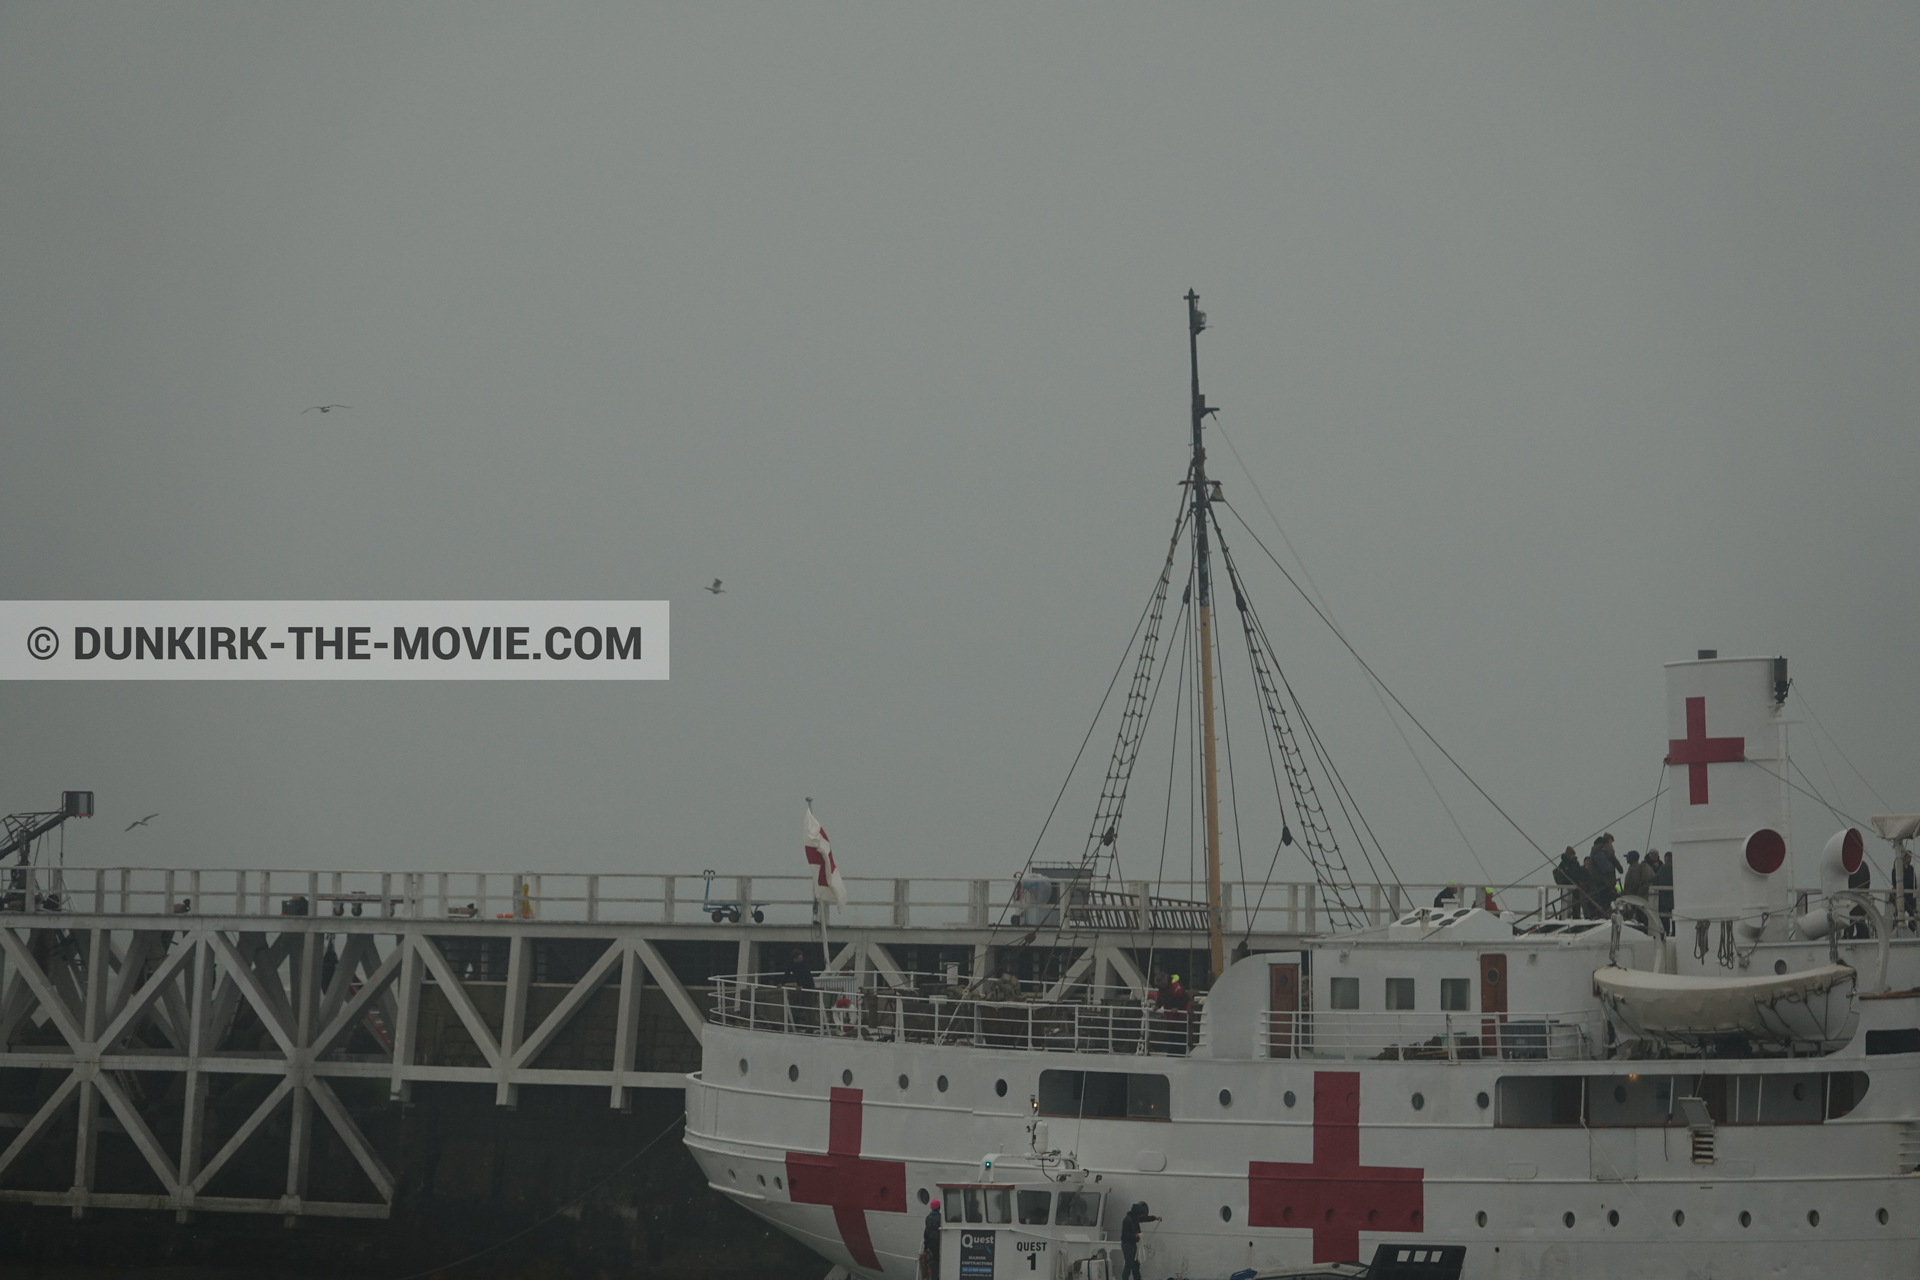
[[820, 908]]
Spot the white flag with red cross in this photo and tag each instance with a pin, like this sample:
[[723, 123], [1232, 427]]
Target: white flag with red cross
[[827, 884]]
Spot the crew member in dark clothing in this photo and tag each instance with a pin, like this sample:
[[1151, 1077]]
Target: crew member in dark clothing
[[1860, 879], [1907, 882], [798, 972], [1663, 883], [1447, 897], [1566, 873], [1130, 1239], [930, 1242]]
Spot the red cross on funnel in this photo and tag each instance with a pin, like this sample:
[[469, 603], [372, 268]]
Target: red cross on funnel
[[1697, 750], [1336, 1195], [853, 1186]]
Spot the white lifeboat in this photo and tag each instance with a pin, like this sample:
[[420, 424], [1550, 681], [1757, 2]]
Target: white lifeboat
[[1812, 1006]]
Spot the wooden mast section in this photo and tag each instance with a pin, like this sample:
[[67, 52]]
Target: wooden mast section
[[1201, 496]]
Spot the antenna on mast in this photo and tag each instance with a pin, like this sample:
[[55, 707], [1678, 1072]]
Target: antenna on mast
[[1201, 494]]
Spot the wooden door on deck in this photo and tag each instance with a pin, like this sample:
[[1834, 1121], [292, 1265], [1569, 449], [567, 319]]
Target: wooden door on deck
[[1493, 1002], [1283, 1001]]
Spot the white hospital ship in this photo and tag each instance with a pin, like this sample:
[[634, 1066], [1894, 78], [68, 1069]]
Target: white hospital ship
[[1457, 1092]]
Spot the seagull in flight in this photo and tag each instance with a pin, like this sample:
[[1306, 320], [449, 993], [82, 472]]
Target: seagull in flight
[[716, 588], [143, 822], [327, 408]]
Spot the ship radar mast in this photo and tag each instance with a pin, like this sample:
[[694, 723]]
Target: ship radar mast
[[1201, 495]]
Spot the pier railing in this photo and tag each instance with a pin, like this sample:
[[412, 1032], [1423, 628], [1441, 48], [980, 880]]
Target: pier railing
[[1354, 1036], [923, 1010], [1170, 906]]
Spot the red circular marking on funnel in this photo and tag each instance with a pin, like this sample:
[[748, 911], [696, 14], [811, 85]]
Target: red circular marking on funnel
[[1852, 849], [1766, 851]]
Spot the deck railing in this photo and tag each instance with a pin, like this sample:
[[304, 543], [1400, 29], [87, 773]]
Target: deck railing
[[1174, 906], [1353, 1036], [923, 1011]]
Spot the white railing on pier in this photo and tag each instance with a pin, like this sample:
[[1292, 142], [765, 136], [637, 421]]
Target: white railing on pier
[[1280, 907], [1355, 1036], [924, 1009]]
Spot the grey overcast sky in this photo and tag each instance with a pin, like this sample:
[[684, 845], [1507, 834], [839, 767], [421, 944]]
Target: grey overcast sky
[[1564, 340]]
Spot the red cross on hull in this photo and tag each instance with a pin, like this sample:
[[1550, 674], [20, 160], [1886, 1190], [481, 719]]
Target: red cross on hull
[[853, 1186], [1697, 750], [1336, 1195]]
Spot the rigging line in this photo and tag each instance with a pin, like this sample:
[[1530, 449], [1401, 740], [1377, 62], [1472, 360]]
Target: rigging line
[[1273, 769], [1591, 835], [1795, 766], [1435, 788], [1349, 804], [1173, 756], [1655, 811], [1247, 471], [1226, 728], [1825, 768], [1388, 690], [1153, 700], [1331, 865], [1835, 743], [1178, 524]]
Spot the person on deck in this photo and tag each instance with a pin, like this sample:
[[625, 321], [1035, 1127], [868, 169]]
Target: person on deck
[[1566, 873], [1606, 859], [799, 973], [1861, 880], [930, 1243], [1663, 885], [1908, 885], [1638, 883], [1447, 897], [1130, 1239]]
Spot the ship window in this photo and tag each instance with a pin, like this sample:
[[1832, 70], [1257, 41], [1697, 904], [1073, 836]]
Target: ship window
[[1078, 1209], [1538, 1101], [1845, 1089], [1033, 1208], [1343, 993], [1456, 995], [999, 1204], [950, 1203], [1644, 1100], [1104, 1095], [1399, 993], [1905, 1040], [976, 1204]]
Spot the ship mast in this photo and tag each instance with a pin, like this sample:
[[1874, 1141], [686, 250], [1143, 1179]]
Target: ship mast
[[1201, 495]]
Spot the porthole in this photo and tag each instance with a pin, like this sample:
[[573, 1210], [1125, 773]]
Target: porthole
[[1419, 1101], [1620, 1093], [924, 1197], [1482, 1101], [1226, 1213], [1480, 1218], [846, 1078], [1000, 1088], [732, 1176], [793, 1072], [1800, 1091], [743, 1066], [1613, 1217], [1287, 1097], [1746, 1219], [1779, 966], [1679, 1218], [941, 1084], [1567, 1217], [1881, 1217], [1813, 1217], [1226, 1097], [779, 1184], [762, 1177]]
